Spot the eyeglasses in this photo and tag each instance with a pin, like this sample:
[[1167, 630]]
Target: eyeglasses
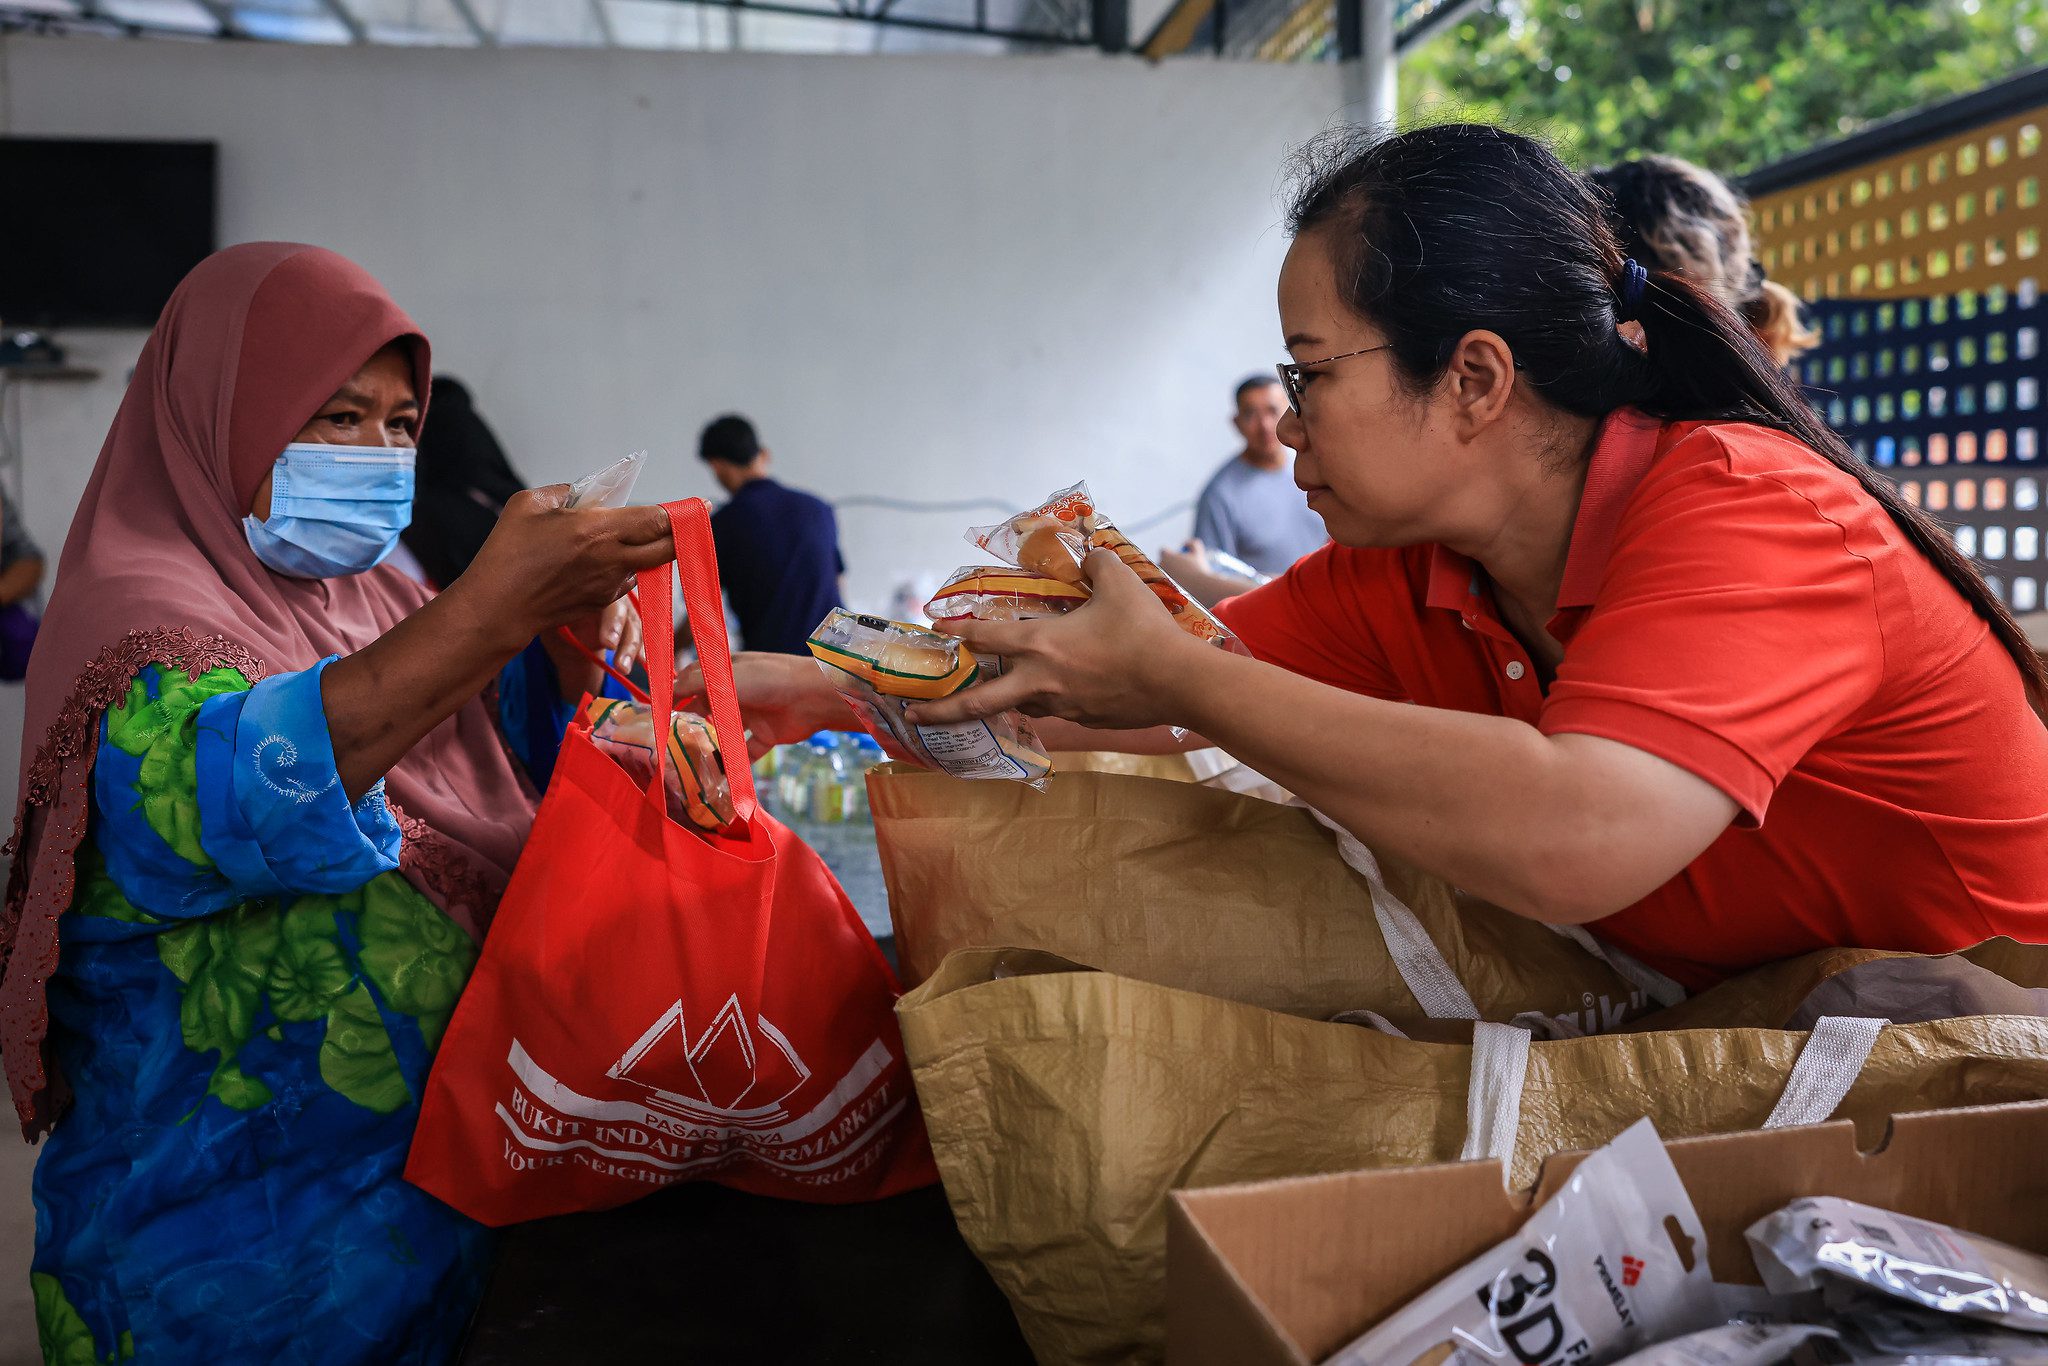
[[1290, 375]]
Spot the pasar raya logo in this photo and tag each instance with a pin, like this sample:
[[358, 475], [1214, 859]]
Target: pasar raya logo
[[1631, 1270], [728, 1071]]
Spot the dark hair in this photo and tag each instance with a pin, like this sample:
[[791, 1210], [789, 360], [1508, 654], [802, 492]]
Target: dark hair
[[1677, 217], [1251, 384], [463, 482], [729, 439], [1446, 230]]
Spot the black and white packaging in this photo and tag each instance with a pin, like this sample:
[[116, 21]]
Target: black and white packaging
[[1740, 1344], [1615, 1261], [1912, 1260], [1876, 1332]]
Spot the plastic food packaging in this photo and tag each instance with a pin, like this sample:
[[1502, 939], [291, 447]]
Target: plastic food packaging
[[1232, 567], [1754, 1304], [611, 486], [1886, 1333], [883, 668], [1001, 592], [695, 777], [1912, 1260], [1742, 1344], [996, 592], [1616, 1261], [1055, 537]]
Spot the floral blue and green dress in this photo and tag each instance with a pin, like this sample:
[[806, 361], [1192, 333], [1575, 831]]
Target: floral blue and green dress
[[246, 1003]]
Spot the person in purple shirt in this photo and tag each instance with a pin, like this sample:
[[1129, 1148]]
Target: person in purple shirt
[[778, 548]]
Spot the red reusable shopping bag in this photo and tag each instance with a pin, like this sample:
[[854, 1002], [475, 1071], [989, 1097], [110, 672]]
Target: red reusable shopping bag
[[656, 1005]]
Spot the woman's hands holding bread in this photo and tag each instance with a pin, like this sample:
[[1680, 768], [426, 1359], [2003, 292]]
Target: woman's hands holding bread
[[1109, 664]]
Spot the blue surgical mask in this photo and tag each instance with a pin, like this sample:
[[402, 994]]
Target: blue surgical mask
[[334, 510]]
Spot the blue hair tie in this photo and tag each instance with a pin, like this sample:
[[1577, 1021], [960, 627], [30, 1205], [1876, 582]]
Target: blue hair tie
[[1630, 303]]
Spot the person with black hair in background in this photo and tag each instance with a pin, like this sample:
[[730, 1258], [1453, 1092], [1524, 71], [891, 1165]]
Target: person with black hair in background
[[1683, 219], [463, 482], [1603, 593], [778, 547]]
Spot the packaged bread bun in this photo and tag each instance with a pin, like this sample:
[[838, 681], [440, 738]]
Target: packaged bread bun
[[995, 592], [1049, 547], [695, 775], [1053, 539], [1002, 593], [883, 668]]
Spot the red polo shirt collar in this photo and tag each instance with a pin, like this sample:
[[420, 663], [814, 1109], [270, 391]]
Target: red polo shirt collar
[[1622, 454]]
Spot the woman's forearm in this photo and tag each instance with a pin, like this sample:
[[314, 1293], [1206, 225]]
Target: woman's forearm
[[805, 703], [1067, 736], [383, 699], [1544, 826]]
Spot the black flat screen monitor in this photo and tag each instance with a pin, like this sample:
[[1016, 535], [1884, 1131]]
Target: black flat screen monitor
[[97, 234]]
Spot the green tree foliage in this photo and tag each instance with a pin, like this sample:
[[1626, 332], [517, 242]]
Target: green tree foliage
[[1730, 84]]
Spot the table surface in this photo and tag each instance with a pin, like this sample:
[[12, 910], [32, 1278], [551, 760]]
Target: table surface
[[702, 1274]]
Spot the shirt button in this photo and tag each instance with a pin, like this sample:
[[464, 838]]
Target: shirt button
[[1515, 670]]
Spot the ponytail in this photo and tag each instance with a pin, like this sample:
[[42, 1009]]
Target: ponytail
[[1461, 227], [1707, 363]]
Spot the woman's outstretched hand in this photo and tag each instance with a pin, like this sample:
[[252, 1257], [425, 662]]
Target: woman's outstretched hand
[[1109, 664], [547, 565], [783, 699]]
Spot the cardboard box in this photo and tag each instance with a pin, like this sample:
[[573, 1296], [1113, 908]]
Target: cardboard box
[[1283, 1273]]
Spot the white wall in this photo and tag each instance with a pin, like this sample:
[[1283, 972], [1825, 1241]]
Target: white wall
[[929, 277]]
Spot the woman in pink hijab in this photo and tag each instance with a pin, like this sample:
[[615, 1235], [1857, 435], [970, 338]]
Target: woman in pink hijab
[[267, 816]]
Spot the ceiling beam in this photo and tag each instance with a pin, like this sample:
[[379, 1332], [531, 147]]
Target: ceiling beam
[[346, 17], [1444, 15], [1290, 35], [467, 9], [1109, 23], [222, 14], [978, 27], [1176, 28]]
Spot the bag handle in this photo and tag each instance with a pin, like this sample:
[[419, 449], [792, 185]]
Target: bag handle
[[1429, 976], [1822, 1076], [1826, 1069], [1634, 971], [689, 520], [1493, 1096], [1422, 966], [638, 693]]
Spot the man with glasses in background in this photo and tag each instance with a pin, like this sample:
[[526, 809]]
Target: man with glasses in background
[[1251, 510]]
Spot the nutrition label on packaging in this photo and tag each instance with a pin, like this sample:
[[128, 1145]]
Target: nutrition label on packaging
[[969, 751]]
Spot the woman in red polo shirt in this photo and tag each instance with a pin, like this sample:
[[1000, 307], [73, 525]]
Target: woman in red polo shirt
[[1610, 636]]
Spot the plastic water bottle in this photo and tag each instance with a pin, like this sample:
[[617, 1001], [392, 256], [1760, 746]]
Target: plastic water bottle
[[793, 781], [824, 779], [859, 753], [765, 778]]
